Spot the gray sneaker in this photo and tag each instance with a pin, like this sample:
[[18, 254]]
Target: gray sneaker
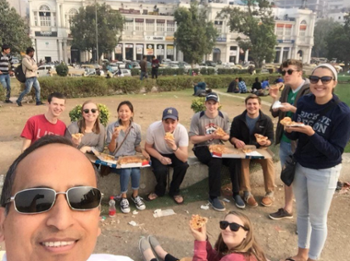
[[124, 206], [238, 201], [138, 203], [280, 214], [216, 204]]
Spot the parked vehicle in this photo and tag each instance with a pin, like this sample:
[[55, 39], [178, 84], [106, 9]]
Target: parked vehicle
[[121, 73], [46, 70]]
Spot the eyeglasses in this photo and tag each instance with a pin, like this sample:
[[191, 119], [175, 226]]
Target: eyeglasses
[[289, 71], [233, 226], [92, 111], [39, 200], [324, 79]]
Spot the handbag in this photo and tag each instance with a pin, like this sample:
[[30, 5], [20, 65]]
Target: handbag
[[105, 170], [288, 170]]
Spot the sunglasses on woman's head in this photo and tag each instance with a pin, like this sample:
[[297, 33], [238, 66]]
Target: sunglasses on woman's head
[[324, 79], [233, 226], [289, 71], [87, 111], [39, 200]]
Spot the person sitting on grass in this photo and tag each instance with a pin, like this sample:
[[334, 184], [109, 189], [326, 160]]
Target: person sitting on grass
[[91, 130], [236, 242], [123, 139], [242, 86]]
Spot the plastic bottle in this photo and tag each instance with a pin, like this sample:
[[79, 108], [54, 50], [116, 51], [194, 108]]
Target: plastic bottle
[[112, 210]]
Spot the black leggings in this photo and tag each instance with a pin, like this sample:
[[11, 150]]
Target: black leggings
[[168, 257]]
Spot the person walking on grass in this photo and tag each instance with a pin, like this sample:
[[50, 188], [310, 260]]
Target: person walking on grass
[[30, 70], [6, 70]]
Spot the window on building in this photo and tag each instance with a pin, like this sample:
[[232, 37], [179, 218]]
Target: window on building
[[129, 24], [279, 31], [35, 14], [54, 19], [288, 32], [139, 24], [71, 14], [160, 25], [218, 26], [45, 16], [170, 26], [150, 25], [302, 31]]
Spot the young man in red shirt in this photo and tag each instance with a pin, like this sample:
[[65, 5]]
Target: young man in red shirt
[[47, 123]]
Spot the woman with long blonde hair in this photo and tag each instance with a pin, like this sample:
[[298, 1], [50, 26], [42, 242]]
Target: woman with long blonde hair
[[91, 130]]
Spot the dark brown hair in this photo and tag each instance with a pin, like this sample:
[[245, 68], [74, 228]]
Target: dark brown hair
[[248, 247], [252, 96], [294, 62]]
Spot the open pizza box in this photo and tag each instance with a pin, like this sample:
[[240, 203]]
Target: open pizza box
[[248, 152], [136, 161]]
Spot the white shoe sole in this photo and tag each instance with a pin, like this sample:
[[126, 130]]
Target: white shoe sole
[[217, 209]]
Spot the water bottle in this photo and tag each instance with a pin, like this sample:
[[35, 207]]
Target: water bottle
[[112, 210]]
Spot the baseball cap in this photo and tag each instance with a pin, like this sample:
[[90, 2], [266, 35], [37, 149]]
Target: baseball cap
[[212, 96], [170, 113]]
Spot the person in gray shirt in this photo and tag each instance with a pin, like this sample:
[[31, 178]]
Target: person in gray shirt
[[91, 130], [123, 139], [202, 134]]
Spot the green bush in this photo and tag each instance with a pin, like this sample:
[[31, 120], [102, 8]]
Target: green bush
[[62, 69], [2, 93], [126, 84], [75, 114]]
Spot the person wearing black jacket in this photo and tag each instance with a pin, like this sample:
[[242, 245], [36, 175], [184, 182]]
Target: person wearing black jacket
[[254, 121]]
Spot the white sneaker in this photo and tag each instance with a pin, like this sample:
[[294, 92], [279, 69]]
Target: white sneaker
[[138, 203], [124, 206]]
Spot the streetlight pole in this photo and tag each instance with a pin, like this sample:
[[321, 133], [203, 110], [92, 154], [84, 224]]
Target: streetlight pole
[[97, 56]]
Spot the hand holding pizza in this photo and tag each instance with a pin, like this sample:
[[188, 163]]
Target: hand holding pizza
[[170, 140], [117, 131], [198, 227], [76, 138]]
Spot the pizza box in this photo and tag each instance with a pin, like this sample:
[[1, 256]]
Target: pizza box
[[106, 158], [145, 163], [254, 153]]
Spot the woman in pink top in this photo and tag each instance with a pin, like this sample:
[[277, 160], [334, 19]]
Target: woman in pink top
[[236, 242]]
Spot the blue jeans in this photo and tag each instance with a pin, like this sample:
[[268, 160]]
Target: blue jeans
[[125, 176], [6, 83], [31, 82], [143, 74], [314, 189], [285, 151]]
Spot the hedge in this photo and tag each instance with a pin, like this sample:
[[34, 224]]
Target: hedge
[[81, 87]]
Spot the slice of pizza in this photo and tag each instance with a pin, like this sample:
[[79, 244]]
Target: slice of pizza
[[119, 128], [77, 136], [198, 222], [286, 121], [260, 138], [219, 131], [169, 136], [129, 159], [217, 148]]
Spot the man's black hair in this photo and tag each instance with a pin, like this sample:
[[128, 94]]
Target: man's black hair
[[57, 95], [29, 50], [5, 47]]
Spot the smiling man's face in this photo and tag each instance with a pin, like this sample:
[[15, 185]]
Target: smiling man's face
[[60, 233]]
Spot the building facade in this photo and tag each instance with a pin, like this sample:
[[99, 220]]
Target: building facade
[[149, 30]]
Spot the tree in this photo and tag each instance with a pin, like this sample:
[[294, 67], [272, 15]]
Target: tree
[[257, 23], [14, 29], [338, 42], [322, 29], [109, 22], [195, 35]]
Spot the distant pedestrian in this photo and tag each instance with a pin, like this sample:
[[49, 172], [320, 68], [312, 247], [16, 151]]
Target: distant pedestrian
[[233, 86], [143, 65], [6, 69], [265, 84], [30, 70], [155, 66]]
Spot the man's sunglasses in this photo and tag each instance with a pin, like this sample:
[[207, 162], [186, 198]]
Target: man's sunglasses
[[289, 71], [233, 226], [39, 200], [92, 111], [324, 79]]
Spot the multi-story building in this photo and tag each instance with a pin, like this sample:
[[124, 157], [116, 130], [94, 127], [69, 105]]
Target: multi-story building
[[149, 30], [21, 6]]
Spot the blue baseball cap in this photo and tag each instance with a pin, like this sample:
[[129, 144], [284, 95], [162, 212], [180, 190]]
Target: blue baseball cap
[[170, 113], [212, 96]]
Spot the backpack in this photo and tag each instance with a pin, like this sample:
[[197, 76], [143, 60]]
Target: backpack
[[20, 76]]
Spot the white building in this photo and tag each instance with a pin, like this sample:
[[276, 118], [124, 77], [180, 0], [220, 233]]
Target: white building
[[149, 30], [21, 6]]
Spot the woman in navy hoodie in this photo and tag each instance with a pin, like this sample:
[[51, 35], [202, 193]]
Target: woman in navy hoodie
[[321, 143]]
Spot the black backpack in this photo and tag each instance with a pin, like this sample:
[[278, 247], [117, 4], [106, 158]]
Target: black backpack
[[20, 76]]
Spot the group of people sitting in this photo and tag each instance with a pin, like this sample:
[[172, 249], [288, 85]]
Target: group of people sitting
[[322, 134]]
